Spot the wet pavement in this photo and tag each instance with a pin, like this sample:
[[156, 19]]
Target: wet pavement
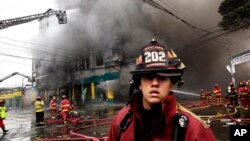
[[21, 123]]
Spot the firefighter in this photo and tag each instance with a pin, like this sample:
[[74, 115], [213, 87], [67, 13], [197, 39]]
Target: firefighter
[[53, 107], [202, 95], [152, 112], [243, 94], [217, 93], [3, 115], [209, 96], [248, 87], [248, 83], [39, 109], [232, 95], [65, 109]]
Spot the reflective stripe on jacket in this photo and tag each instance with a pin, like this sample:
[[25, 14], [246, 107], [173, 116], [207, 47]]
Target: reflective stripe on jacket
[[243, 92], [65, 105], [39, 106], [217, 91], [53, 104]]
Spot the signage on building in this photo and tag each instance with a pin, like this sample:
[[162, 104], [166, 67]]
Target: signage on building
[[11, 95]]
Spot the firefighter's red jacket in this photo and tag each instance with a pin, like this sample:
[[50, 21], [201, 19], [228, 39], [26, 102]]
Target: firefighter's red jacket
[[65, 105], [217, 91], [162, 130], [243, 92], [53, 104]]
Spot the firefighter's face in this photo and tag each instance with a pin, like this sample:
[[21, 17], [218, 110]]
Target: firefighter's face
[[154, 88]]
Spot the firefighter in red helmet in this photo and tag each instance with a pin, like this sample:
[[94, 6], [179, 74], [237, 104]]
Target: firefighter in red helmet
[[152, 112], [202, 95], [243, 94], [232, 95], [65, 108], [217, 93], [53, 107]]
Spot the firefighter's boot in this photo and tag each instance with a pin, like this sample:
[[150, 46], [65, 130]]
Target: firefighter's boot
[[5, 131]]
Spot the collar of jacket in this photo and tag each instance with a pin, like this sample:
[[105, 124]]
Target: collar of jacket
[[169, 105]]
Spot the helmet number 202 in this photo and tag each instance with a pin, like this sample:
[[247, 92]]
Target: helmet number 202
[[155, 56]]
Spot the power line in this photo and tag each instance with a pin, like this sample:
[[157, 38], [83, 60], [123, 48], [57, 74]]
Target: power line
[[188, 50], [174, 8], [4, 48], [158, 6], [185, 48], [37, 44], [44, 52], [38, 59], [4, 61]]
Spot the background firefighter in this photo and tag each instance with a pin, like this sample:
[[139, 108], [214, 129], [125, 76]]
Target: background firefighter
[[232, 95], [39, 104], [202, 95], [217, 93], [209, 96], [243, 94], [53, 107], [65, 109], [3, 114]]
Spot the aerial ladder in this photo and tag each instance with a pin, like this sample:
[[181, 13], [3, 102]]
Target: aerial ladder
[[61, 16], [236, 60]]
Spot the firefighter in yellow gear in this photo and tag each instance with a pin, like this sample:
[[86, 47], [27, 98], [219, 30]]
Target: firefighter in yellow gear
[[3, 115], [39, 104]]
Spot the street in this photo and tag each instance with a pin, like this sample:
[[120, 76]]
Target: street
[[21, 124]]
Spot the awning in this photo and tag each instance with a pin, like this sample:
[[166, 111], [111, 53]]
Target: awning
[[99, 78]]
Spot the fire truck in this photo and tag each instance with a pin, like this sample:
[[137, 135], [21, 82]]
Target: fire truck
[[61, 16]]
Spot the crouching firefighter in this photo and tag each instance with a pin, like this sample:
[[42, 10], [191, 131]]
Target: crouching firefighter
[[152, 112]]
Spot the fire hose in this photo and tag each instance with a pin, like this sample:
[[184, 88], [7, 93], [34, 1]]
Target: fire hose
[[79, 136]]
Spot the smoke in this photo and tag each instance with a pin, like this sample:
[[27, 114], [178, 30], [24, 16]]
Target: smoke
[[29, 97], [129, 24]]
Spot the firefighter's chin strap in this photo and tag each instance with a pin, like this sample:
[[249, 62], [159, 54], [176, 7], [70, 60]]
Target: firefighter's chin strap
[[131, 90], [180, 83]]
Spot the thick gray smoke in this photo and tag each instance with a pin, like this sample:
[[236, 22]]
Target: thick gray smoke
[[129, 24]]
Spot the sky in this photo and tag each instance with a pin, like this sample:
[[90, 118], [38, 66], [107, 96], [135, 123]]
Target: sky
[[16, 40]]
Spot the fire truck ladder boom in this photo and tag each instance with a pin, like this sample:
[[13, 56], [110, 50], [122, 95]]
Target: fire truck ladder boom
[[61, 16], [241, 58], [236, 60]]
